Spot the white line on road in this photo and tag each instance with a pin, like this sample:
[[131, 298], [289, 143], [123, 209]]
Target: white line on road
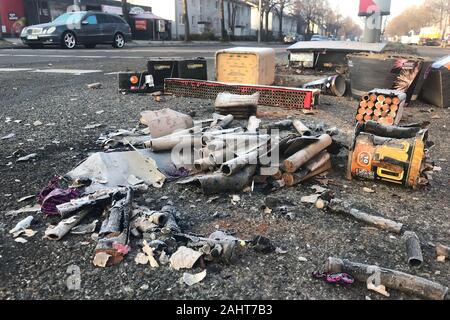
[[14, 69], [66, 71]]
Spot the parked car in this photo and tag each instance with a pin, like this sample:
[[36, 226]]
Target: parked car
[[293, 38], [318, 37], [83, 27]]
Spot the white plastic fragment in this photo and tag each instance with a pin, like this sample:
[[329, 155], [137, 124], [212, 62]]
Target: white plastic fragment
[[191, 279], [184, 258]]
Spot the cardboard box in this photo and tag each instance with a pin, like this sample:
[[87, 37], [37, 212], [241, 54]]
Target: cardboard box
[[246, 66], [436, 89]]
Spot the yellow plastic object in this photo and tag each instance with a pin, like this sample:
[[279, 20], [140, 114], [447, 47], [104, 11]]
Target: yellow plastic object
[[246, 66], [396, 160]]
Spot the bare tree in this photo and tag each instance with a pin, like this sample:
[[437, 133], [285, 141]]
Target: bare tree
[[187, 32], [280, 9], [232, 10]]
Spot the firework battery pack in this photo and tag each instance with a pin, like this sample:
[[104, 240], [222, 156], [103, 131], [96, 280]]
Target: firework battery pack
[[389, 153], [381, 105]]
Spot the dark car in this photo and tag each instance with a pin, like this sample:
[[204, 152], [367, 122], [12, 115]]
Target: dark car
[[82, 27], [293, 38]]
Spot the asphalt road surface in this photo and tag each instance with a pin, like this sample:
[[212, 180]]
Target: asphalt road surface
[[46, 109]]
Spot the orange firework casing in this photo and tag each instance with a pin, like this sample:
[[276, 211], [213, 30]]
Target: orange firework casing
[[393, 160]]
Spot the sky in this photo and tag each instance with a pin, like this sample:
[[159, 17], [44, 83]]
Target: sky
[[350, 7]]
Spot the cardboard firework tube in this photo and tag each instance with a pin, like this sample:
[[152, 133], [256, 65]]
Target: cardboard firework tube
[[370, 104], [169, 142], [294, 162], [64, 226], [301, 128], [363, 104], [359, 117], [378, 105], [221, 156], [388, 100], [231, 167], [317, 165], [396, 100], [389, 278], [216, 145], [203, 164], [342, 207], [381, 98], [377, 112], [413, 250], [385, 107], [365, 97], [442, 250], [361, 110], [367, 118], [394, 108], [373, 97], [375, 118], [392, 114], [369, 112]]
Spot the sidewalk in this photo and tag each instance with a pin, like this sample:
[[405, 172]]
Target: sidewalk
[[15, 43]]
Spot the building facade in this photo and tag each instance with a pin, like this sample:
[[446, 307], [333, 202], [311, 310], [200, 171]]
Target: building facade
[[204, 16]]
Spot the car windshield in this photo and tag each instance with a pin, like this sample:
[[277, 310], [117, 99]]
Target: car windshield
[[72, 17]]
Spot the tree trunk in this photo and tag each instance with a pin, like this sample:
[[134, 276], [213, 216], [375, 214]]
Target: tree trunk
[[187, 32], [222, 22], [126, 11], [280, 32]]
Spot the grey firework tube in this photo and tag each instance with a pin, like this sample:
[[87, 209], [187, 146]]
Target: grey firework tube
[[389, 278], [301, 128], [413, 250]]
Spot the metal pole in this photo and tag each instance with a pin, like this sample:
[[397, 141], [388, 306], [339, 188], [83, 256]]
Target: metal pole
[[259, 20]]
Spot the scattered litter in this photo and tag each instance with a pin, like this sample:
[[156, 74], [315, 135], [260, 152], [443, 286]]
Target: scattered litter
[[26, 198], [93, 126], [96, 85], [302, 259], [334, 278], [21, 226], [310, 199], [191, 279], [9, 136], [235, 199], [101, 259], [141, 258], [37, 123], [84, 228], [26, 158], [368, 190], [184, 258], [20, 240], [319, 189], [99, 111], [27, 209], [280, 251]]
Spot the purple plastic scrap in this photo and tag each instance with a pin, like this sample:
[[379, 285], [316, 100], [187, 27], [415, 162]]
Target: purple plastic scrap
[[334, 278], [52, 195]]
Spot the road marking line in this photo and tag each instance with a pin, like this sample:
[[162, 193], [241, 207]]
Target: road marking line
[[66, 71], [14, 69]]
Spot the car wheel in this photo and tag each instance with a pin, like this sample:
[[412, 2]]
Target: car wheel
[[119, 41], [69, 41], [90, 46]]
